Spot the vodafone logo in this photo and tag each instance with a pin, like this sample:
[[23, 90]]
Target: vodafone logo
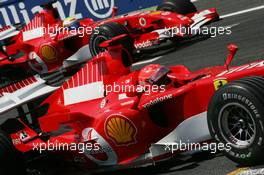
[[100, 8], [143, 45]]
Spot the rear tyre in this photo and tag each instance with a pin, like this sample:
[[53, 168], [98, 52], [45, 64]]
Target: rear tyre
[[11, 160], [235, 118], [179, 6], [106, 32]]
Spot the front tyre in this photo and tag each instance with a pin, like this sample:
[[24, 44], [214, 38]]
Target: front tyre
[[178, 6], [106, 32], [235, 118]]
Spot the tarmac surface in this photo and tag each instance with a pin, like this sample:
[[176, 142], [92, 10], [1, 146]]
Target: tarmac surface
[[246, 17]]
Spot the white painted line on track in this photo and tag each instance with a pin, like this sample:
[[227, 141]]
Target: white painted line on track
[[232, 25], [242, 12], [147, 61]]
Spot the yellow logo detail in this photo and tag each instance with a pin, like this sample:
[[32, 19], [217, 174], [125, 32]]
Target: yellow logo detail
[[49, 53], [121, 130], [155, 13], [219, 83], [239, 171], [68, 21]]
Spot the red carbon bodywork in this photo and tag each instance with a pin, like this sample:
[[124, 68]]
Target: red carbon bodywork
[[145, 28], [122, 125], [30, 47]]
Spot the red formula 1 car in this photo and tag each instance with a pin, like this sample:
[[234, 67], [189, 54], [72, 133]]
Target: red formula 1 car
[[128, 119], [47, 44]]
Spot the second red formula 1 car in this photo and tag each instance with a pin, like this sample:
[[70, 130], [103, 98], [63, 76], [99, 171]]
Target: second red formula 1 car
[[47, 43], [130, 119]]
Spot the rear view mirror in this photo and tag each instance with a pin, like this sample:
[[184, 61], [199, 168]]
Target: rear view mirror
[[232, 49]]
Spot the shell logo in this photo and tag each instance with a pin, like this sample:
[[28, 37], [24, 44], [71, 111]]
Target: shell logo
[[120, 130], [49, 53]]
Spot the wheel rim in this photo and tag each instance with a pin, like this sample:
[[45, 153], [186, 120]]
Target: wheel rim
[[97, 41], [237, 125]]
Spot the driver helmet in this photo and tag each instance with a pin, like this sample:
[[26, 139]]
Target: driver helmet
[[71, 23], [154, 74]]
